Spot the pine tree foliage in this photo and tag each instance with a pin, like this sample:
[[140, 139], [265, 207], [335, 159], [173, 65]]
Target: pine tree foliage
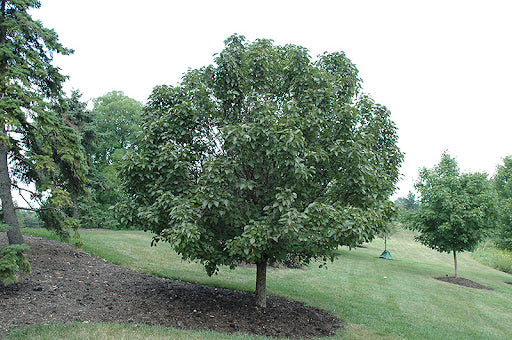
[[34, 137]]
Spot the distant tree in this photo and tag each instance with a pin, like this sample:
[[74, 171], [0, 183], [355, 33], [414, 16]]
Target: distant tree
[[264, 155], [405, 207], [29, 219], [113, 126], [502, 181], [455, 209], [408, 203], [116, 119], [36, 146]]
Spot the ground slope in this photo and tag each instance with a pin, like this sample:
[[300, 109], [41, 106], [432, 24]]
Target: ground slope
[[68, 285]]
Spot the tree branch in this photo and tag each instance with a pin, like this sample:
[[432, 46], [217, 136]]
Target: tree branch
[[30, 205], [28, 209], [23, 197], [23, 189]]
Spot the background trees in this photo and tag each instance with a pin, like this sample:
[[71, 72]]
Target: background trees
[[502, 182], [407, 203], [263, 155], [455, 209], [108, 131]]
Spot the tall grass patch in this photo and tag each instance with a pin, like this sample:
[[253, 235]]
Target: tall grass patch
[[489, 254]]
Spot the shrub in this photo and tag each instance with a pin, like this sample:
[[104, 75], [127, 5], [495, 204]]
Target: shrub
[[12, 260]]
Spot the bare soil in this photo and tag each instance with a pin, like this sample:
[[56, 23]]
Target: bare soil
[[462, 282], [72, 285]]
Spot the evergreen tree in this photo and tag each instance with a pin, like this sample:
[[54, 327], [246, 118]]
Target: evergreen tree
[[36, 145]]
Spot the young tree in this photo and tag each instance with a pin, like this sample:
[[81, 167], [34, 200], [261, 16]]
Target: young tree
[[455, 209], [31, 134], [502, 182], [263, 155]]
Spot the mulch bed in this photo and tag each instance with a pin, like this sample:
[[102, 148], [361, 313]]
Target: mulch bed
[[462, 282], [72, 285]]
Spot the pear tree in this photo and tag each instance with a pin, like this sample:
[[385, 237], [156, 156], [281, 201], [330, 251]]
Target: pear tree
[[263, 155]]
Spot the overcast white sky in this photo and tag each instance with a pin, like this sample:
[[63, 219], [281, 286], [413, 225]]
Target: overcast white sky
[[443, 68]]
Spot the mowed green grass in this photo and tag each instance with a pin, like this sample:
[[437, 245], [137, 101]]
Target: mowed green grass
[[375, 298]]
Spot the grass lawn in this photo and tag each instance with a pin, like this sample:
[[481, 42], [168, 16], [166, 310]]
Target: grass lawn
[[375, 298]]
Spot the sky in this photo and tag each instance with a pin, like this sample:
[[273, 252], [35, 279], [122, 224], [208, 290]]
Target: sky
[[443, 68]]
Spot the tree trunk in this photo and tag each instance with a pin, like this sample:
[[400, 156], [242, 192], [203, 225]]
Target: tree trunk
[[9, 213], [455, 262], [261, 284], [13, 234]]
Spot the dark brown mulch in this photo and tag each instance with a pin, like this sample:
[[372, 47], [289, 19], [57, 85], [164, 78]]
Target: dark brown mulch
[[69, 285], [462, 282]]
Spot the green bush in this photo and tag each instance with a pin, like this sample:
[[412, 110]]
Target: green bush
[[12, 261]]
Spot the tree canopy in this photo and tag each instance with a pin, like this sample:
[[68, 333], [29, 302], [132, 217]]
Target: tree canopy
[[456, 209], [116, 119], [264, 154]]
